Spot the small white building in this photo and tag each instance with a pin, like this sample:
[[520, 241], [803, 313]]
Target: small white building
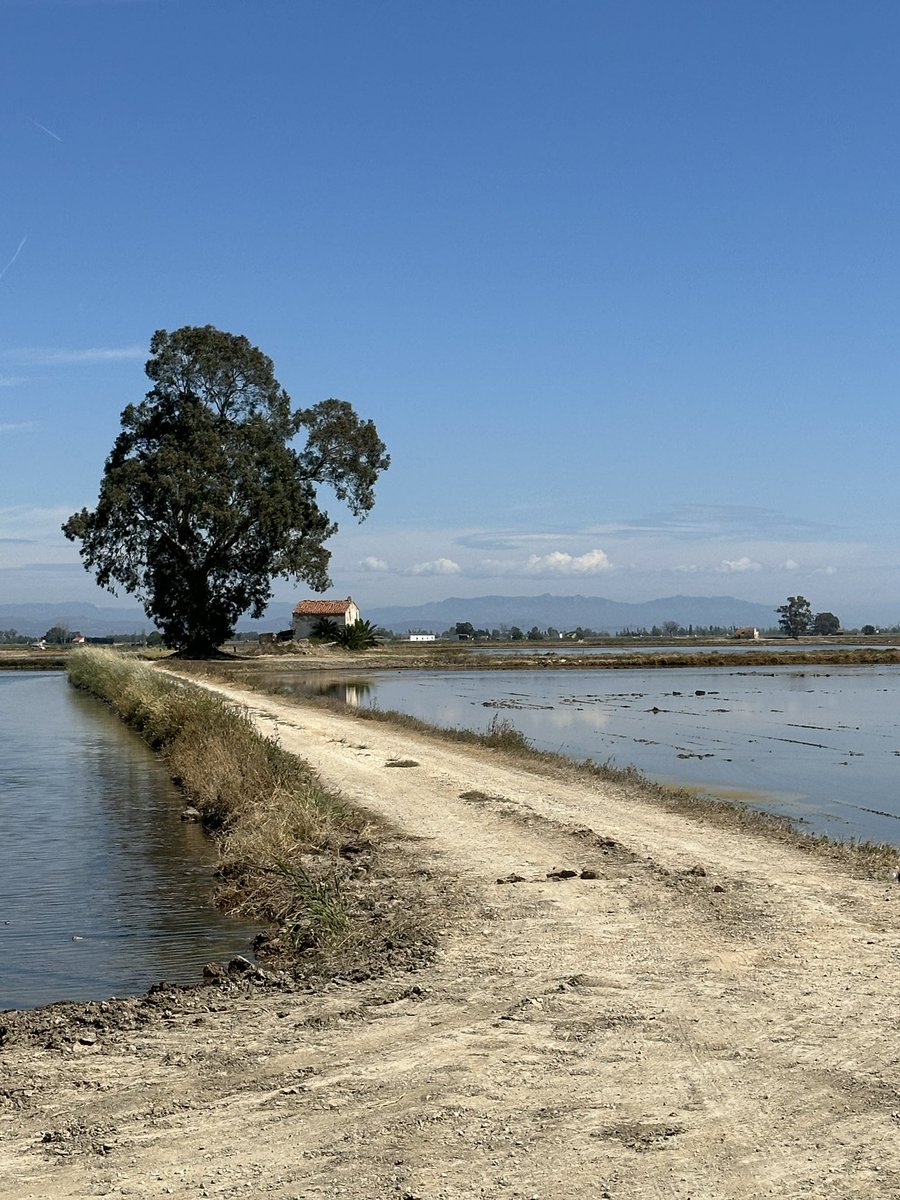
[[423, 637], [308, 613]]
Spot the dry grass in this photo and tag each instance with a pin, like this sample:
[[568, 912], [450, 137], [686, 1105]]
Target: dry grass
[[285, 841]]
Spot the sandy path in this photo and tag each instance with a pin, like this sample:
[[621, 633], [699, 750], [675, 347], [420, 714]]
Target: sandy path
[[652, 1032]]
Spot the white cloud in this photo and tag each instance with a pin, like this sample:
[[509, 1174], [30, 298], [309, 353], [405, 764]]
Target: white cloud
[[790, 565], [33, 356], [440, 566], [16, 426], [373, 564], [12, 380], [744, 563], [559, 563]]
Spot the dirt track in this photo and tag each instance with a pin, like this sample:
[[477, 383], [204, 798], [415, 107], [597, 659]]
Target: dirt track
[[713, 1016]]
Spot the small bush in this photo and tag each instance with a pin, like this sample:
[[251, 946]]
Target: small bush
[[503, 735]]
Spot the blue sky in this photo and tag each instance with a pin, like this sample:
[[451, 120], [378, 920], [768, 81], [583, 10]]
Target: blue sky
[[617, 282]]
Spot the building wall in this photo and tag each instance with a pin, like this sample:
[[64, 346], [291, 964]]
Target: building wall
[[303, 625]]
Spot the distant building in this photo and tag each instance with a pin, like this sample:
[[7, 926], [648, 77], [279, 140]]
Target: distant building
[[747, 634], [308, 613], [78, 639], [422, 637]]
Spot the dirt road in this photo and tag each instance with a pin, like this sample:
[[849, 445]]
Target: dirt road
[[704, 1014]]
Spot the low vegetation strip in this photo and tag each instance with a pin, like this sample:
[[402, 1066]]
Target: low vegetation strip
[[647, 660], [293, 855]]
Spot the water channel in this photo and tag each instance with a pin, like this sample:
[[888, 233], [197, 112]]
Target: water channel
[[103, 889], [820, 745]]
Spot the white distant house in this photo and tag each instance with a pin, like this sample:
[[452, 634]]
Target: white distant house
[[308, 613], [423, 637]]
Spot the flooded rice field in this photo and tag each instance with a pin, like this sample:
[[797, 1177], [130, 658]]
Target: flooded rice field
[[819, 745], [103, 889]]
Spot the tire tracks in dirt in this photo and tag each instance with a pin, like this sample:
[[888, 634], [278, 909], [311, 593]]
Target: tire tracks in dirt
[[654, 1031]]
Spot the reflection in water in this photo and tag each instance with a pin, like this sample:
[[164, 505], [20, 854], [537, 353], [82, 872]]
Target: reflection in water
[[818, 744], [350, 691], [103, 889], [347, 691]]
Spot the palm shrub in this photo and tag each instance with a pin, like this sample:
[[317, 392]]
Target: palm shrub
[[358, 636], [325, 630]]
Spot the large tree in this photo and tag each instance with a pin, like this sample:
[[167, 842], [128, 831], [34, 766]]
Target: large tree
[[211, 490], [826, 623], [795, 617]]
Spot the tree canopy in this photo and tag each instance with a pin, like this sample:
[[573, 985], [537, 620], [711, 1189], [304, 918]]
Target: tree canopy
[[825, 624], [795, 617], [205, 498]]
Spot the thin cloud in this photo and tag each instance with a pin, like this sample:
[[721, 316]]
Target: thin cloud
[[490, 540], [15, 256], [698, 521], [44, 129], [33, 356], [35, 523], [373, 564], [16, 426], [54, 567]]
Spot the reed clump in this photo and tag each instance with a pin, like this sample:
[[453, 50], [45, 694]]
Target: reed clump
[[282, 835]]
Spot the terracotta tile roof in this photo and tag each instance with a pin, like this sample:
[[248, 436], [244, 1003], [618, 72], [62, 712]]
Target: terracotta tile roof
[[322, 608]]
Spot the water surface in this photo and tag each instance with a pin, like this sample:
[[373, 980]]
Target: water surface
[[103, 889]]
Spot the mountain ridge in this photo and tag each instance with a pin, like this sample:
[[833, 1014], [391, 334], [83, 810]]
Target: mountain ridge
[[485, 612], [568, 612]]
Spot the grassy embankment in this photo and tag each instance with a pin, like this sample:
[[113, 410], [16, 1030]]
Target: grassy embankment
[[293, 855]]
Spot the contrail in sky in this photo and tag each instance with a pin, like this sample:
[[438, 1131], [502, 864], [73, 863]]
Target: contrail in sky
[[44, 128], [15, 256]]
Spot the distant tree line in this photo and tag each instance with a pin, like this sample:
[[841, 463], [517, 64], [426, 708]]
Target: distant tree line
[[466, 631], [796, 614]]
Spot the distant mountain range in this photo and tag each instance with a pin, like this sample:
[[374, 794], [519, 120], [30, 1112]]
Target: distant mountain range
[[568, 612], [92, 620], [484, 612]]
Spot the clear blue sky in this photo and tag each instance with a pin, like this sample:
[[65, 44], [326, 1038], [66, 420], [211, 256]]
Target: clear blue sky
[[617, 282]]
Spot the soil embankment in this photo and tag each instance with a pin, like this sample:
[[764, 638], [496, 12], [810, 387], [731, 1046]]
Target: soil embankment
[[627, 1003]]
